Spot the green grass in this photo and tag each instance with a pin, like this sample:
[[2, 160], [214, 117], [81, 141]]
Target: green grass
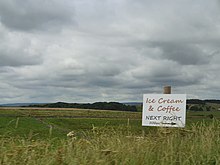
[[216, 114], [104, 137], [58, 122], [59, 127], [43, 123], [198, 144], [26, 127]]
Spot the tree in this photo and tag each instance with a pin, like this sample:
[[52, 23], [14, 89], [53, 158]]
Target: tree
[[195, 108]]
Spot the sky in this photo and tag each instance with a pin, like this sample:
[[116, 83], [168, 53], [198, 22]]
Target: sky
[[108, 50]]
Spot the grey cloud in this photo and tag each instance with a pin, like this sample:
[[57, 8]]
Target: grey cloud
[[20, 60], [120, 49], [18, 52], [162, 72], [184, 54], [33, 15]]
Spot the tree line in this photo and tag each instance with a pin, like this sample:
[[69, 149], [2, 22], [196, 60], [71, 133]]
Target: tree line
[[96, 105], [202, 102]]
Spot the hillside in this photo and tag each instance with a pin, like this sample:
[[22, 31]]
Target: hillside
[[197, 101], [96, 105]]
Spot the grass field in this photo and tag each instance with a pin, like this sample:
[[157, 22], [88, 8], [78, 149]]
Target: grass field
[[58, 122], [39, 136]]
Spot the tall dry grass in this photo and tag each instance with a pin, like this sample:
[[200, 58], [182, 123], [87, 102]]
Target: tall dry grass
[[197, 144]]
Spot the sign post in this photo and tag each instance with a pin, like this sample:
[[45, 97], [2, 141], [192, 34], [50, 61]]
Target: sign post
[[164, 110], [167, 90]]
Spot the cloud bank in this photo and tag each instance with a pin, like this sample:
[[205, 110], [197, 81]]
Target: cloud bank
[[91, 50]]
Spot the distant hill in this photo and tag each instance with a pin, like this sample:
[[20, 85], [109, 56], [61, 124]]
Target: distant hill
[[96, 105], [132, 103], [125, 106], [202, 102], [195, 101], [213, 101], [19, 104]]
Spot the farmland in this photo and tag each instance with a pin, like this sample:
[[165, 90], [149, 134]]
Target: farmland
[[39, 136]]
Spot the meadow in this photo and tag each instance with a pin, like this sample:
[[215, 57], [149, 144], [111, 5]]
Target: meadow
[[56, 136]]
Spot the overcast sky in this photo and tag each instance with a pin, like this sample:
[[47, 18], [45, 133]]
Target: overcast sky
[[108, 50]]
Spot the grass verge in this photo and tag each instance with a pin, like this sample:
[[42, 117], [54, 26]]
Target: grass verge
[[197, 144]]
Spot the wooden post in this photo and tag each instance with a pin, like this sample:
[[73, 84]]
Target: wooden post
[[167, 90]]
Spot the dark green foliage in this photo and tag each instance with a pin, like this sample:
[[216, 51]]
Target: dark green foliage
[[195, 101], [208, 108], [200, 109], [196, 108], [211, 116], [201, 102], [213, 101], [97, 105]]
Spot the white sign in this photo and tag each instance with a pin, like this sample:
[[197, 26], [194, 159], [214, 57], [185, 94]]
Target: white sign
[[166, 110]]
